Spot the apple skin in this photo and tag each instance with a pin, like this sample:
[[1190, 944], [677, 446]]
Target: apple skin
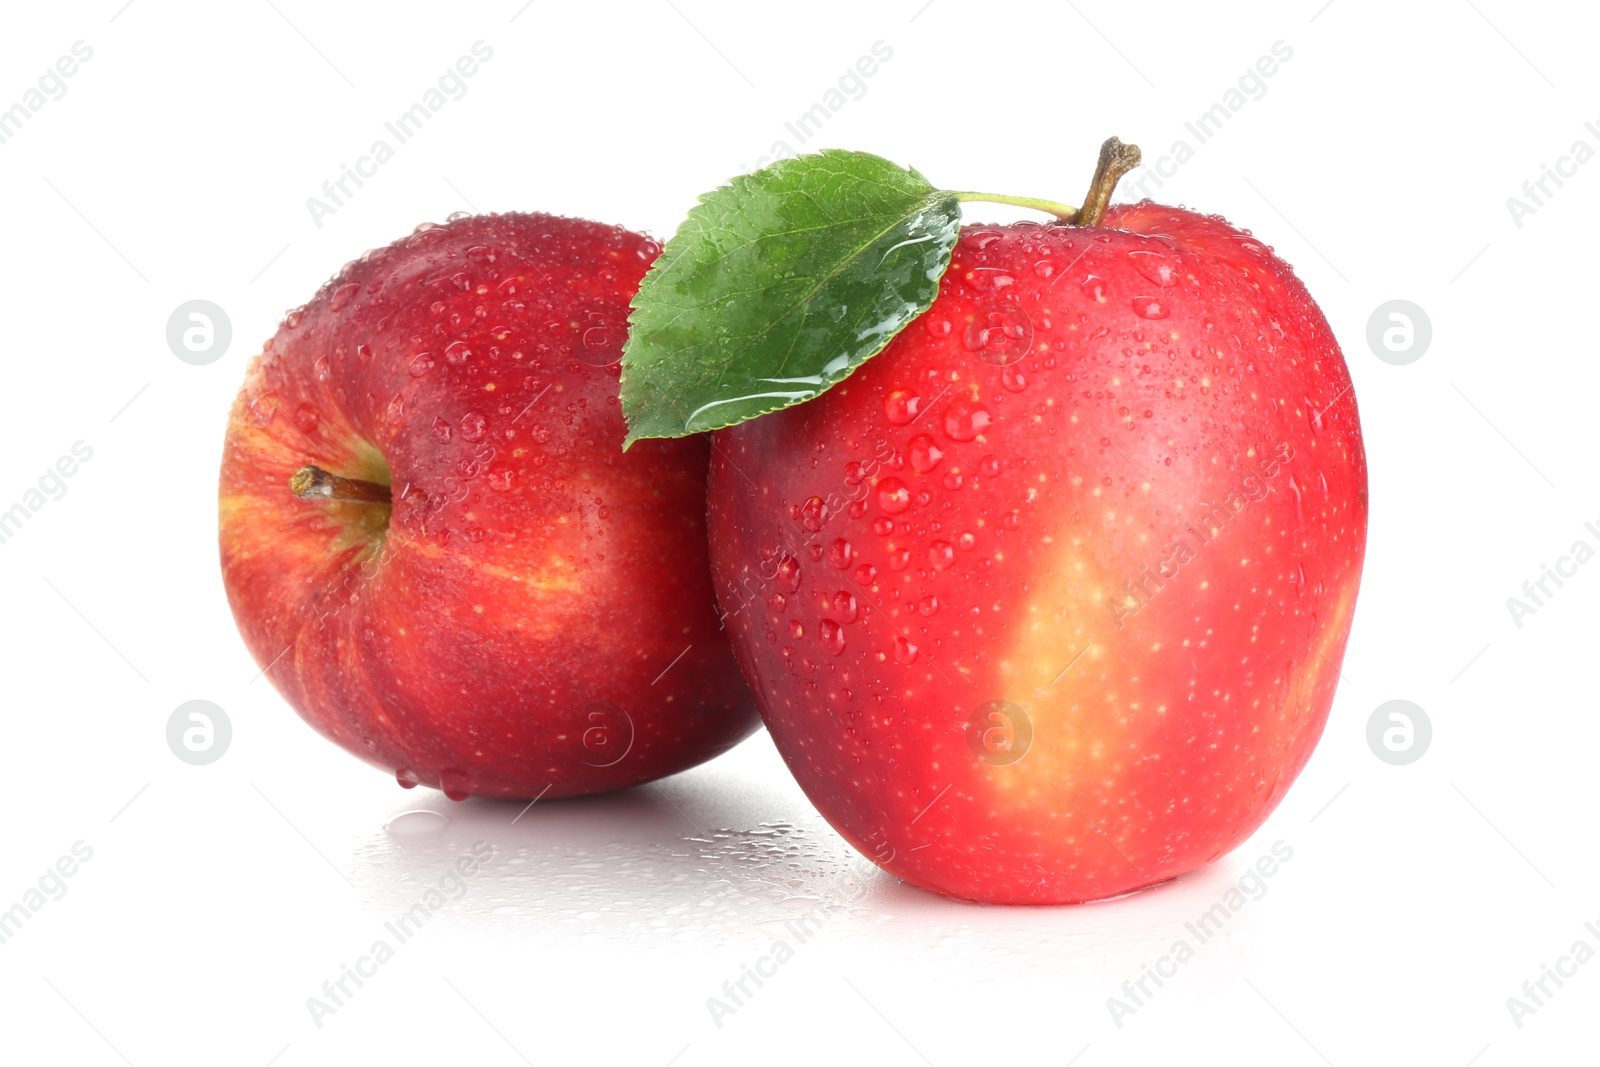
[[1113, 477], [507, 634]]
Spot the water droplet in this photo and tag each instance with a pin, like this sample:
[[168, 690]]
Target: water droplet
[[999, 333], [814, 514], [1012, 378], [840, 553], [941, 554], [420, 364], [938, 327], [1044, 268], [924, 453], [927, 606], [457, 785], [1155, 267], [322, 369], [416, 823], [989, 466], [777, 602], [989, 279], [424, 234], [1094, 287], [457, 353], [788, 575], [263, 408], [500, 478], [882, 527], [899, 559], [865, 573], [1148, 307], [967, 542], [408, 779], [342, 295], [964, 420], [893, 496], [1011, 520], [796, 630], [472, 426], [441, 431], [904, 651], [900, 407], [844, 605], [306, 417], [831, 634]]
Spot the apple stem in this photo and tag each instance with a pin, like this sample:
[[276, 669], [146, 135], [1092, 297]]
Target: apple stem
[[1116, 159], [1063, 212], [311, 481]]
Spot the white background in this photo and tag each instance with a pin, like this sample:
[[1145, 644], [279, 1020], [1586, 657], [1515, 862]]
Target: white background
[[219, 898]]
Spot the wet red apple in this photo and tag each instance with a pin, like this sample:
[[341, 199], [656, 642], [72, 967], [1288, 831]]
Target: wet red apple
[[1047, 601], [433, 543]]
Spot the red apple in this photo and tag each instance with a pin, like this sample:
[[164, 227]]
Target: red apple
[[1047, 601], [532, 614]]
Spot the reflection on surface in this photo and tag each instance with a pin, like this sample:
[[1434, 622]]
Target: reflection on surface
[[732, 854]]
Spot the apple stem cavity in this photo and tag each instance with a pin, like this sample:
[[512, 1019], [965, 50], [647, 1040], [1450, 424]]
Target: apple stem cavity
[[312, 482], [1116, 159]]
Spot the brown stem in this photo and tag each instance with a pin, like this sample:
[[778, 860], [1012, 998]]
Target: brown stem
[[314, 482], [1116, 159]]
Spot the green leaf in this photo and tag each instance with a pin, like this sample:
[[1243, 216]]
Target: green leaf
[[777, 286]]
